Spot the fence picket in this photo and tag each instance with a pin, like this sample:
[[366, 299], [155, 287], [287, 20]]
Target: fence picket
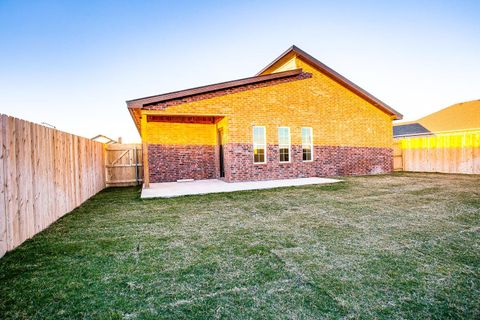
[[3, 195]]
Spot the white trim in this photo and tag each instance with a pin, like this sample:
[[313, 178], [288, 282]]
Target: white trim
[[311, 143], [289, 145], [264, 143]]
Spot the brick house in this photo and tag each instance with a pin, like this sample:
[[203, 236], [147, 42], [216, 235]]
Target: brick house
[[295, 118]]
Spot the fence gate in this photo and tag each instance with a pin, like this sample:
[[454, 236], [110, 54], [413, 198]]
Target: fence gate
[[397, 156], [123, 165]]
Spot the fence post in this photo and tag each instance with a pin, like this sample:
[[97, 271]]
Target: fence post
[[135, 158], [146, 176]]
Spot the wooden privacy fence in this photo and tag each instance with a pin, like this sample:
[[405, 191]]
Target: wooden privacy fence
[[44, 173], [123, 164], [459, 153]]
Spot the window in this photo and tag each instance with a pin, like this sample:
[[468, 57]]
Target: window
[[259, 145], [284, 143], [307, 144]]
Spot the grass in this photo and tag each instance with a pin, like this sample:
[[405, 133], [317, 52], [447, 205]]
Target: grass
[[393, 246]]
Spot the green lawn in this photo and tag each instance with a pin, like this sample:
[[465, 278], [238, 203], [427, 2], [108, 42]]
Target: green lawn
[[393, 246]]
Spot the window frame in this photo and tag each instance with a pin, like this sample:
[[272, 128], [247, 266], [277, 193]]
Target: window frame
[[264, 144], [289, 145], [311, 143]]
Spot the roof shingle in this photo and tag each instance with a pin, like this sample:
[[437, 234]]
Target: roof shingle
[[411, 129]]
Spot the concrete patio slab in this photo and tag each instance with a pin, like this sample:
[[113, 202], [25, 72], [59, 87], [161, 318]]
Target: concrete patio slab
[[176, 189]]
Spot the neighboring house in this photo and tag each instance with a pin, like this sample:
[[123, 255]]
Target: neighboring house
[[409, 130], [458, 118], [106, 140], [295, 118]]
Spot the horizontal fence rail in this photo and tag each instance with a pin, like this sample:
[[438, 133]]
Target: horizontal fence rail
[[44, 174], [457, 153]]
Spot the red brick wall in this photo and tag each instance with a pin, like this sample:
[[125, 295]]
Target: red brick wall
[[173, 162], [328, 161]]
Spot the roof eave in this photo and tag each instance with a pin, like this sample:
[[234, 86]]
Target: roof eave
[[135, 120], [140, 102]]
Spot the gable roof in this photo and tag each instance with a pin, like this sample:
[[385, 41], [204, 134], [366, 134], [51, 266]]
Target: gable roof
[[135, 105], [139, 103], [294, 50], [411, 129]]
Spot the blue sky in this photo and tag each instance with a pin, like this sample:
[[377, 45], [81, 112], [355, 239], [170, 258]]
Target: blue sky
[[74, 63]]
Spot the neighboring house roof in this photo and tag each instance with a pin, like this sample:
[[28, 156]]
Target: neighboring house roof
[[294, 50], [460, 116], [103, 139], [411, 129], [464, 116]]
